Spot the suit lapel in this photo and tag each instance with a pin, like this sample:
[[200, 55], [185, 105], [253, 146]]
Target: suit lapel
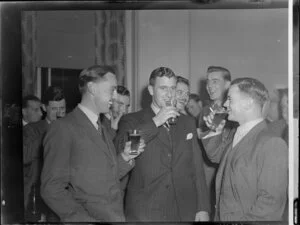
[[248, 138], [239, 150], [90, 131], [163, 134]]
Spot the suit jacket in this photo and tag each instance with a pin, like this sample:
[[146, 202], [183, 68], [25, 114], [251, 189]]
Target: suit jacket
[[168, 181], [80, 177], [33, 134], [252, 179]]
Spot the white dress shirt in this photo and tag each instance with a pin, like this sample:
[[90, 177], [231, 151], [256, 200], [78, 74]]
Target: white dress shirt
[[243, 130]]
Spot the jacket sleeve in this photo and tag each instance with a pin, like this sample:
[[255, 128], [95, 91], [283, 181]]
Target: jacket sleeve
[[272, 162], [55, 188], [215, 146], [202, 189]]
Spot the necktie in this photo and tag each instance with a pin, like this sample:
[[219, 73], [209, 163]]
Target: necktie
[[99, 125]]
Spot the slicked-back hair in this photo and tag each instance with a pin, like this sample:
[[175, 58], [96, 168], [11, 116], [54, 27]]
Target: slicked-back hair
[[181, 79], [160, 72], [53, 93], [28, 98], [225, 72], [195, 97], [253, 88], [121, 90], [92, 74]]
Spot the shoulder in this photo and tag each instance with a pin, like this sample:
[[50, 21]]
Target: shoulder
[[268, 141]]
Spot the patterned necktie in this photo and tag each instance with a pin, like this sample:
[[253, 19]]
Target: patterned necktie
[[99, 125]]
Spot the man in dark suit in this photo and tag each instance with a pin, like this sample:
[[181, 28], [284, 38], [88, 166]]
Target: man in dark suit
[[252, 178], [54, 104], [168, 181], [118, 108], [80, 177]]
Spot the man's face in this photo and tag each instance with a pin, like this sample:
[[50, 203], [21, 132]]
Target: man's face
[[216, 86], [120, 105], [32, 113], [194, 108], [163, 90], [182, 95], [56, 109], [105, 92], [236, 104]]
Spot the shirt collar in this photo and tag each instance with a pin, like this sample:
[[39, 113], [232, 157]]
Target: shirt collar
[[246, 127], [24, 122], [90, 114], [155, 108]]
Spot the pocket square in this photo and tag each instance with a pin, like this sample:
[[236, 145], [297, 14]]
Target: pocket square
[[189, 136]]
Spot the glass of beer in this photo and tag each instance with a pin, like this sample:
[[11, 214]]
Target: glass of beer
[[220, 114], [172, 102], [134, 136]]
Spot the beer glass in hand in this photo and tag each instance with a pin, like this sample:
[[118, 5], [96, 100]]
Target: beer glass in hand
[[134, 136], [171, 102], [220, 113]]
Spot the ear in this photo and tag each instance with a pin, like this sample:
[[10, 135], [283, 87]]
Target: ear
[[227, 84], [150, 89], [91, 88]]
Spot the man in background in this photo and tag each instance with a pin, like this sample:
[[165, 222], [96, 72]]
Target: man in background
[[118, 108], [54, 104], [182, 94], [31, 109], [168, 181], [217, 85]]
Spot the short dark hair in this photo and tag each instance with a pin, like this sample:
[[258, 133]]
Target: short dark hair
[[121, 90], [160, 72], [181, 79], [253, 88], [195, 97], [28, 98], [93, 74], [225, 72], [53, 93]]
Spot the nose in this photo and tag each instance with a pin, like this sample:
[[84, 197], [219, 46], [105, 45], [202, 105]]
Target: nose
[[226, 104]]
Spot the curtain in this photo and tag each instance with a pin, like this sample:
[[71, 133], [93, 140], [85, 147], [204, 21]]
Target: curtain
[[110, 41], [29, 34]]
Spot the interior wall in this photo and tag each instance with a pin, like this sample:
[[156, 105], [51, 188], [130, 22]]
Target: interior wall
[[251, 42], [65, 39]]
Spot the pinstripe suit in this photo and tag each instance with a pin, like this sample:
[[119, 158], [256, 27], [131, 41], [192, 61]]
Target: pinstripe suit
[[168, 181]]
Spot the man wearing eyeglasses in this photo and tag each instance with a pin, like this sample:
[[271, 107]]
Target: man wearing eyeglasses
[[182, 94]]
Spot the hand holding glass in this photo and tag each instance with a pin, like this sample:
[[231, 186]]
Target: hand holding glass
[[172, 102], [218, 117], [134, 136]]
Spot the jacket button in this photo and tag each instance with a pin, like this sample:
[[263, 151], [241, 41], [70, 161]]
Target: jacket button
[[169, 154]]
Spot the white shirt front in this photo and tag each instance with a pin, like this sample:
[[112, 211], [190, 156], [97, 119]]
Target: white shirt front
[[243, 130], [90, 114]]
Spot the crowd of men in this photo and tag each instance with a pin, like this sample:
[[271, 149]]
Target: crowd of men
[[195, 169]]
